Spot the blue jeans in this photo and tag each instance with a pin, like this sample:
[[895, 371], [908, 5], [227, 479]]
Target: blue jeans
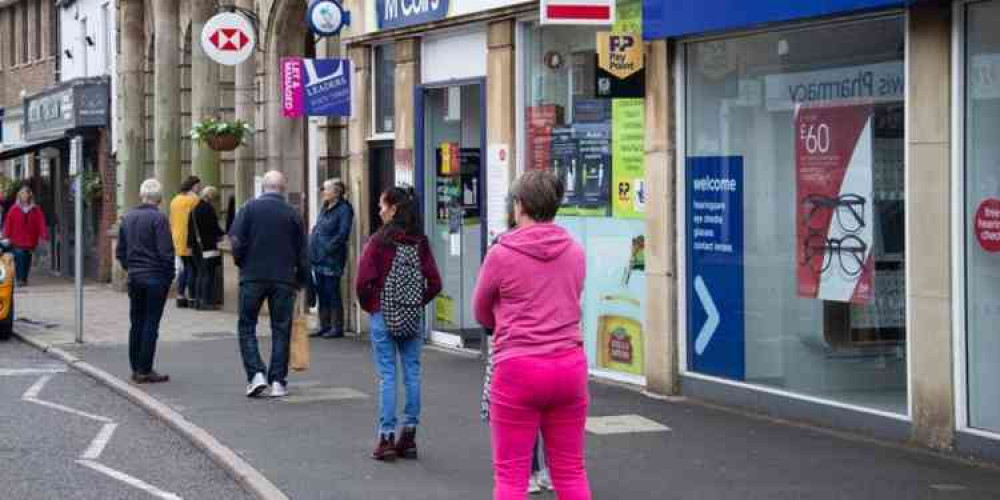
[[22, 264], [281, 304], [384, 350], [331, 304], [147, 296], [187, 279]]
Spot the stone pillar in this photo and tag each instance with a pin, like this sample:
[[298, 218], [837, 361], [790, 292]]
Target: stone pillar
[[407, 78], [359, 126], [661, 336], [500, 85], [928, 238], [204, 93], [246, 110], [132, 137], [167, 98]]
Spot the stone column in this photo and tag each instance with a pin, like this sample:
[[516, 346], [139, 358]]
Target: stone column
[[167, 98], [661, 346], [407, 78], [204, 93], [928, 238], [132, 137], [500, 85], [246, 110], [357, 135]]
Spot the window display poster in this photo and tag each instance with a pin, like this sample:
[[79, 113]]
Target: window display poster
[[539, 121], [614, 291], [566, 165], [628, 159], [594, 143], [715, 277], [834, 210]]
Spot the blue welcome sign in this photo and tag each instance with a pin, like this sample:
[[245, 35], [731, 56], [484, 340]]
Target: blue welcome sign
[[401, 13]]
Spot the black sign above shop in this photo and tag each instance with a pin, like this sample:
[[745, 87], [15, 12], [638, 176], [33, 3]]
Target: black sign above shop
[[75, 104]]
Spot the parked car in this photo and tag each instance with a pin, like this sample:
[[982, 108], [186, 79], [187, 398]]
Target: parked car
[[6, 290]]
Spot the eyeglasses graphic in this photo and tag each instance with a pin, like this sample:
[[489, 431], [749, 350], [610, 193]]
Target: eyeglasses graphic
[[849, 210], [849, 251]]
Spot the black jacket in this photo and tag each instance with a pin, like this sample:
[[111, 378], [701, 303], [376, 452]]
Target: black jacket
[[269, 242], [145, 246], [203, 229], [328, 244]]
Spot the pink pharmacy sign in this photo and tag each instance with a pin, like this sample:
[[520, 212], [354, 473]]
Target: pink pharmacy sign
[[292, 89]]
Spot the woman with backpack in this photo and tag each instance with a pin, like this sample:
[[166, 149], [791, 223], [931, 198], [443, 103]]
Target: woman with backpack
[[397, 278], [529, 292]]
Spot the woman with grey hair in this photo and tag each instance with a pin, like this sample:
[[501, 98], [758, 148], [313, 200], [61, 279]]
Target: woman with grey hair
[[204, 235]]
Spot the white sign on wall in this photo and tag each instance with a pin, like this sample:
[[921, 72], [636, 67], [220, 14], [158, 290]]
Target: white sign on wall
[[497, 188], [228, 38]]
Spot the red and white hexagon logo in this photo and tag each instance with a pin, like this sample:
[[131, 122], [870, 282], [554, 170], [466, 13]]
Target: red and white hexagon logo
[[228, 38]]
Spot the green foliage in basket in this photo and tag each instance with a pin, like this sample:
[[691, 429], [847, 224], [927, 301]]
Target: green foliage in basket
[[210, 127]]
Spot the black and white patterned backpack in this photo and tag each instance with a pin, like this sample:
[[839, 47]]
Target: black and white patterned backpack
[[402, 298]]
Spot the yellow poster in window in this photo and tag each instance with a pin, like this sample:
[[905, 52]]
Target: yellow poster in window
[[444, 308], [619, 53]]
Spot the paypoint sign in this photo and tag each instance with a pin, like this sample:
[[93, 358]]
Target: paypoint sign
[[620, 66]]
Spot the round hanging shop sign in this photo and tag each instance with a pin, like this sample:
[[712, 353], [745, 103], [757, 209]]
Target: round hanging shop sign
[[327, 17], [228, 38], [987, 225]]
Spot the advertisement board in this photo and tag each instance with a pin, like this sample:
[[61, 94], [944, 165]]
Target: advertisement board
[[315, 87], [715, 277], [835, 205]]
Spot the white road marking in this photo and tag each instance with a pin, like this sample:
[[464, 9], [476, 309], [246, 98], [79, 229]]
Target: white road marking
[[100, 442], [129, 480], [18, 372]]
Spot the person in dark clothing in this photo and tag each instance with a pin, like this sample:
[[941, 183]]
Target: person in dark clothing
[[146, 251], [269, 247], [328, 255], [203, 239]]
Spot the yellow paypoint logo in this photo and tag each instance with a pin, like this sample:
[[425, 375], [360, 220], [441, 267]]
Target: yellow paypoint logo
[[619, 53]]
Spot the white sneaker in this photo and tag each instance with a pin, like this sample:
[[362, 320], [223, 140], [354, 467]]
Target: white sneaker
[[544, 480], [278, 390], [533, 487], [257, 385]]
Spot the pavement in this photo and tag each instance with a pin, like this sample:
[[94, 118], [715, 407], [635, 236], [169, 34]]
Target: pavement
[[49, 420], [315, 444]]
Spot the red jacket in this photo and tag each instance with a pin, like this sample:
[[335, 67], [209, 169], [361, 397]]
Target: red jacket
[[376, 261], [25, 229]]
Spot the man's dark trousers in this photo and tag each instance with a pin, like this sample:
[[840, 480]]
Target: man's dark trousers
[[331, 305], [280, 299], [147, 297]]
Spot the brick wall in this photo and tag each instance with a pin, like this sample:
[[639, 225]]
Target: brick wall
[[38, 70]]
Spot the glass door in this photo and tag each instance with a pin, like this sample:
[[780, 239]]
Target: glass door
[[453, 155]]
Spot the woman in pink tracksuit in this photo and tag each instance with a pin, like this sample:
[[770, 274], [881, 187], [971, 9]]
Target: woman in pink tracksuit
[[529, 292]]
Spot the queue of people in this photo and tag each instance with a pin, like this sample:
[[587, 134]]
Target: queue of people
[[528, 294]]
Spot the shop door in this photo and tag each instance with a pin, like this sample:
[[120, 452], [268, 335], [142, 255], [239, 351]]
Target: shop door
[[381, 176], [451, 169]]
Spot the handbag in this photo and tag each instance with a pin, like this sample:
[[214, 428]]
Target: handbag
[[299, 356]]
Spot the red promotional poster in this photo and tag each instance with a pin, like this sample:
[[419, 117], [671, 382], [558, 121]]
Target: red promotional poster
[[835, 209], [540, 122]]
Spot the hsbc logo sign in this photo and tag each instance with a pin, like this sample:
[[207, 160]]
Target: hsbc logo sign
[[228, 38]]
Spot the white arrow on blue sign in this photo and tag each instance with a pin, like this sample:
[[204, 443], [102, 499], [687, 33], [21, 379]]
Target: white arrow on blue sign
[[711, 321]]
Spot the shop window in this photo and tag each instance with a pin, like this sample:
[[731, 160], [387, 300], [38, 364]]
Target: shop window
[[595, 145], [793, 213], [25, 53], [38, 29], [385, 88], [982, 213]]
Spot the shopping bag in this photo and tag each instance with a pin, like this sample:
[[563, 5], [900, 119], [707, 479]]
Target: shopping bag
[[299, 359]]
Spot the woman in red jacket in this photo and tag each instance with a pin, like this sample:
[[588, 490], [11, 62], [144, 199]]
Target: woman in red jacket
[[24, 226], [379, 294]]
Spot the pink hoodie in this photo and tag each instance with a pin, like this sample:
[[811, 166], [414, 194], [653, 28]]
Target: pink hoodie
[[529, 292]]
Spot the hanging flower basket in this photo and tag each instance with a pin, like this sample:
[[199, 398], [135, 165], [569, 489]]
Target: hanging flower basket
[[223, 142], [221, 135]]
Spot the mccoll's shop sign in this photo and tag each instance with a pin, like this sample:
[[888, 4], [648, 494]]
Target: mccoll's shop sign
[[391, 14]]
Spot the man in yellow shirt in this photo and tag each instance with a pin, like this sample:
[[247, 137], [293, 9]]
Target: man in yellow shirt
[[180, 212]]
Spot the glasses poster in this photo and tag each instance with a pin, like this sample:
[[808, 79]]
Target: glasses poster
[[834, 211]]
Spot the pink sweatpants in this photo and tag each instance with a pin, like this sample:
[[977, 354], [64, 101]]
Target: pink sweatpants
[[548, 393]]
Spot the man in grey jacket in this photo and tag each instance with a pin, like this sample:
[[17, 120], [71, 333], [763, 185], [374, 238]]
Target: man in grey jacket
[[146, 251], [269, 247]]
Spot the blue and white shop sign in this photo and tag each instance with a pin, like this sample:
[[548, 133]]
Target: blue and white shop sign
[[327, 17]]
